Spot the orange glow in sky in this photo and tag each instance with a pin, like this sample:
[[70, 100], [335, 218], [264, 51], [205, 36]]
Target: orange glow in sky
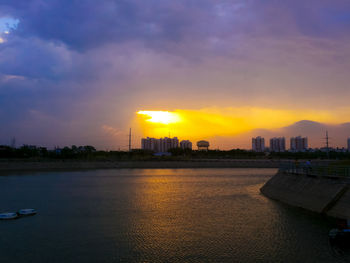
[[212, 122]]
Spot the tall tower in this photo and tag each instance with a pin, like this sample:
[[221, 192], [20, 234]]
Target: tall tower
[[327, 144], [130, 140]]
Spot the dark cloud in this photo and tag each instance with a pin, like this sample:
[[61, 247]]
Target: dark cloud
[[87, 24], [32, 58], [90, 23]]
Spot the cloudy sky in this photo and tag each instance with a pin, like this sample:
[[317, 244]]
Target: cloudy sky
[[77, 71]]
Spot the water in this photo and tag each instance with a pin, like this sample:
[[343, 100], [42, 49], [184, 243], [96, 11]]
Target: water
[[156, 215]]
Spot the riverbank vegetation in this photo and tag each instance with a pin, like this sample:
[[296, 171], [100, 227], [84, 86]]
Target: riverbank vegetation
[[90, 153]]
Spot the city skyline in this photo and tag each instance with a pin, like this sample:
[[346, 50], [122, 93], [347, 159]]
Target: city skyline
[[278, 142]]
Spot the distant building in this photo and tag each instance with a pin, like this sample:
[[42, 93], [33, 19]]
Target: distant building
[[258, 144], [278, 144], [185, 144], [349, 144], [298, 144], [203, 145], [159, 145], [150, 144]]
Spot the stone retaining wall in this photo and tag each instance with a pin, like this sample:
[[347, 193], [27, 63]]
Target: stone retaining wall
[[328, 195]]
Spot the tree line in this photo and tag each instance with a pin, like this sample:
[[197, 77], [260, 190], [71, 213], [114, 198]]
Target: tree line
[[90, 153]]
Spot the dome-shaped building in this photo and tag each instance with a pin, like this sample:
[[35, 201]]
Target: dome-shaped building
[[203, 145]]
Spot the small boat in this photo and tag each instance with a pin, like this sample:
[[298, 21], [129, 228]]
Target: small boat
[[27, 212], [8, 216]]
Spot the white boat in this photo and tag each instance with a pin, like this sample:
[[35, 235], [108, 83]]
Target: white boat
[[7, 216], [27, 212]]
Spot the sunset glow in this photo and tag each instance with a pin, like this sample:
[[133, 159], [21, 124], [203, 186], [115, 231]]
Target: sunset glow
[[226, 122], [163, 117]]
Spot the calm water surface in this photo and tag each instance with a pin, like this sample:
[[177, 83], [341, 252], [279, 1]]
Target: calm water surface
[[156, 215]]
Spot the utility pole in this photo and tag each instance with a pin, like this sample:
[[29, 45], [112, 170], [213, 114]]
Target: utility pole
[[327, 144], [130, 140]]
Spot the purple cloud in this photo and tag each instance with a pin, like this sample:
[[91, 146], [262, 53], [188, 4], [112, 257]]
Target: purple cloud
[[91, 64]]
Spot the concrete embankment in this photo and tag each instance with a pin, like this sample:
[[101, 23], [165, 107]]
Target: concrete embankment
[[328, 195]]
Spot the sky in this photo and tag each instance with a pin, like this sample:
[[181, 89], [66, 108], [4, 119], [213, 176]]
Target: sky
[[78, 72]]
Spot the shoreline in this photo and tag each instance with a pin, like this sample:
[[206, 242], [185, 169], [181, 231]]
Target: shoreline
[[74, 165]]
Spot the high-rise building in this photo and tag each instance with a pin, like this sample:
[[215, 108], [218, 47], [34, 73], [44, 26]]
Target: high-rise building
[[349, 144], [151, 144], [258, 144], [159, 145], [186, 144], [278, 144], [168, 143], [298, 144]]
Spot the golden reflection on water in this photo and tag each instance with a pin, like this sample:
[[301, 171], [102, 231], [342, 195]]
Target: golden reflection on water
[[181, 209]]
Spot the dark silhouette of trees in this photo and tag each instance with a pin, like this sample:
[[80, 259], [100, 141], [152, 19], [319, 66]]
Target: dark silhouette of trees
[[88, 152]]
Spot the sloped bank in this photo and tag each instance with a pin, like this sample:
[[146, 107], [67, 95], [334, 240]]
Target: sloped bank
[[327, 195]]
